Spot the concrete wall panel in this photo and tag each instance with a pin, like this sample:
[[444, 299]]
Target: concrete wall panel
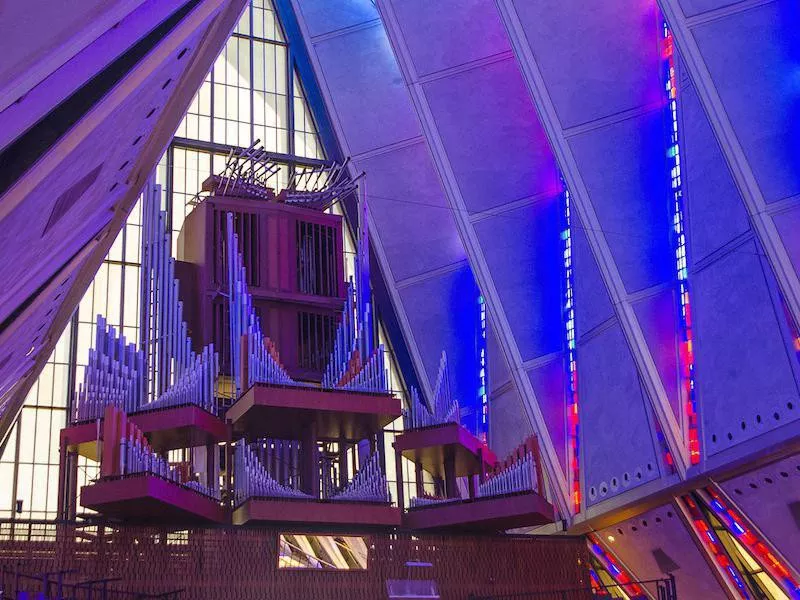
[[618, 446], [744, 374], [367, 90], [495, 145], [530, 285], [770, 499]]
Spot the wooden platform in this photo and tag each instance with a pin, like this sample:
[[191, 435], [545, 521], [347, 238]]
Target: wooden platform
[[316, 512], [286, 412], [430, 446], [491, 514], [170, 428], [148, 498]]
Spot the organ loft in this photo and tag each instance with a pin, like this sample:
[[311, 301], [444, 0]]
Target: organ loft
[[256, 392]]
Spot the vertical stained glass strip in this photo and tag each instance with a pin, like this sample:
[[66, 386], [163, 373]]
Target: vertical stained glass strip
[[483, 399], [572, 366], [679, 229]]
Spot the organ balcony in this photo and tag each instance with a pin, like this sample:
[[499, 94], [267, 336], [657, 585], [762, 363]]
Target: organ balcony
[[169, 428], [138, 483], [290, 412], [499, 496]]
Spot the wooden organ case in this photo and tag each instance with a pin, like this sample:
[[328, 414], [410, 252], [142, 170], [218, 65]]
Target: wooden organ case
[[294, 264]]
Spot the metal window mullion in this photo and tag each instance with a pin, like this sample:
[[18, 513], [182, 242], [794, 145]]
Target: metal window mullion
[[290, 107], [15, 481], [169, 187], [251, 45], [122, 280]]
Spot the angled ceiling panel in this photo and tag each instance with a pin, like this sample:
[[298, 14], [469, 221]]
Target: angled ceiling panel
[[508, 423], [752, 56], [589, 284], [445, 306], [596, 62], [618, 446], [366, 89], [38, 225], [94, 45], [770, 498], [20, 341], [658, 314], [326, 17], [499, 375], [743, 61], [477, 21], [594, 76], [548, 381], [508, 419], [625, 171], [530, 285], [496, 148], [426, 217], [29, 54], [696, 7], [715, 209], [649, 542], [788, 224], [734, 298]]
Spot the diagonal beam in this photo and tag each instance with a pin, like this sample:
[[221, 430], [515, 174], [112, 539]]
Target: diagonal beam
[[600, 247], [732, 149], [476, 257]]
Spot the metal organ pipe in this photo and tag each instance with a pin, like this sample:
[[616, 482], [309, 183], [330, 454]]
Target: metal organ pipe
[[368, 484], [165, 371], [520, 476], [252, 480], [262, 357], [445, 407], [345, 368], [112, 375], [137, 457]]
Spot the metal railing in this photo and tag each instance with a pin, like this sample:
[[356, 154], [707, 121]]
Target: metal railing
[[664, 589], [55, 586]]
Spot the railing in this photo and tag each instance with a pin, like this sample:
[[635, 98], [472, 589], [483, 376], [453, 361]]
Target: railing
[[664, 589], [55, 586], [225, 562]]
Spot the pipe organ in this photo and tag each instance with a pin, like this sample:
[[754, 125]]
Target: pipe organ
[[256, 391]]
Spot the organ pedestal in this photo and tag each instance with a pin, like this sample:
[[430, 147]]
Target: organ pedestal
[[482, 514], [314, 416], [312, 513]]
